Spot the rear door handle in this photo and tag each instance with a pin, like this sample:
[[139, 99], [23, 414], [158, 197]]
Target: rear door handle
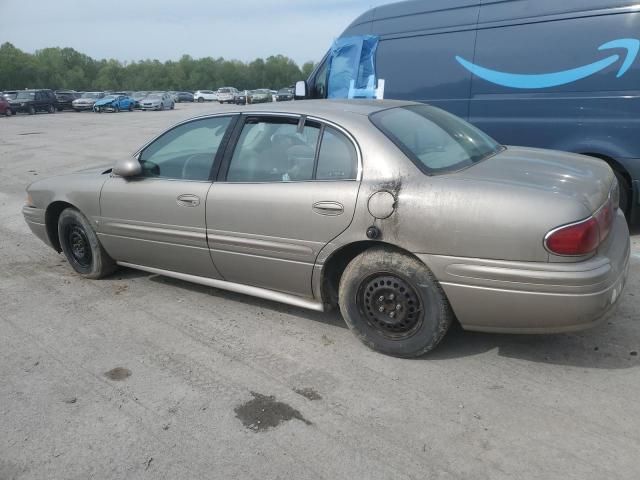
[[328, 208], [188, 200]]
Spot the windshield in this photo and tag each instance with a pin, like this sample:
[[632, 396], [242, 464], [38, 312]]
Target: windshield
[[109, 97], [90, 95], [224, 90], [285, 91], [435, 140], [25, 95]]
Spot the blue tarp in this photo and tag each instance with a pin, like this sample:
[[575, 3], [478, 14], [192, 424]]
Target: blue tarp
[[352, 67]]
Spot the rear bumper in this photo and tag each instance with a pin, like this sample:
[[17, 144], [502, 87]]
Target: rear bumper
[[532, 297], [36, 222]]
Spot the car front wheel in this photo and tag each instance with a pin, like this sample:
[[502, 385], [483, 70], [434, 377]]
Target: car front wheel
[[393, 303], [81, 246], [200, 100]]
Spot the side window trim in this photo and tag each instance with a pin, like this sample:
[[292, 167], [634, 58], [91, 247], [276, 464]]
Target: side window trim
[[317, 154]]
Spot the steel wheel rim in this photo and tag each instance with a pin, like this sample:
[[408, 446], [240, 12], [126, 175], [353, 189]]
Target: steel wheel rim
[[79, 246], [390, 305]]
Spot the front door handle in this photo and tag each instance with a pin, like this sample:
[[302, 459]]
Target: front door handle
[[328, 208], [188, 200]]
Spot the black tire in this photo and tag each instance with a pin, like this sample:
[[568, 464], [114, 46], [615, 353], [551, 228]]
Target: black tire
[[8, 112], [200, 100], [81, 246], [13, 112], [415, 312], [31, 110], [625, 194], [173, 105], [51, 109]]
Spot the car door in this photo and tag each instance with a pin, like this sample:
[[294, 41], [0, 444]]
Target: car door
[[157, 219], [286, 188]]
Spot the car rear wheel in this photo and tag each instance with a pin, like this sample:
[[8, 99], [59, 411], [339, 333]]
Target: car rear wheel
[[393, 303], [81, 246], [32, 110]]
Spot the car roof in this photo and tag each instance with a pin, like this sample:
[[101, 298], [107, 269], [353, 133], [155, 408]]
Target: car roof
[[330, 107]]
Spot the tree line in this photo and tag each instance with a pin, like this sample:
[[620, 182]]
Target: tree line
[[66, 68]]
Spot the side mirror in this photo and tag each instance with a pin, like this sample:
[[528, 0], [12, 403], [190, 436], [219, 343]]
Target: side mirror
[[301, 90], [129, 167]]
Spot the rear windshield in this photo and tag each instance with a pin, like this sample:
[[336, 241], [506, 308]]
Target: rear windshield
[[435, 140]]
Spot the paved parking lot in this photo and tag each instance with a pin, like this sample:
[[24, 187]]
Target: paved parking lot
[[140, 376]]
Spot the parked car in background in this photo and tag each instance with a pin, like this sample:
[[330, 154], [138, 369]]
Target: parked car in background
[[205, 96], [284, 95], [184, 97], [393, 211], [5, 107], [65, 99], [86, 101], [114, 103], [241, 98], [10, 94], [260, 96], [32, 101], [543, 73], [157, 101], [274, 94], [138, 96], [226, 94]]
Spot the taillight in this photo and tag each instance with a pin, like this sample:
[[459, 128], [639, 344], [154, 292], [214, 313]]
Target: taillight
[[583, 237], [575, 239]]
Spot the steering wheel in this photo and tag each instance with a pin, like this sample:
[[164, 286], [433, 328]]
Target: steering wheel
[[185, 167]]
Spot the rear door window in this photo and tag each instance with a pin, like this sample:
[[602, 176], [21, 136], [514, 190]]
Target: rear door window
[[337, 158], [274, 149]]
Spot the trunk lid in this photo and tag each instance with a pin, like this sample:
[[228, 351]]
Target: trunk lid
[[585, 179]]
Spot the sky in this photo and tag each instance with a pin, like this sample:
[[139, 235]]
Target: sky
[[167, 29]]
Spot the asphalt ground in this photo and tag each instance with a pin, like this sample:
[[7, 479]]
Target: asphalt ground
[[141, 376]]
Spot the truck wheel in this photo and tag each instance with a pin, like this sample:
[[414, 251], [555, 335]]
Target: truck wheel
[[625, 194], [32, 110], [81, 246], [393, 303]]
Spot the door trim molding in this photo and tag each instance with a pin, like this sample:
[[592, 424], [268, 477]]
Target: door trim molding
[[234, 287]]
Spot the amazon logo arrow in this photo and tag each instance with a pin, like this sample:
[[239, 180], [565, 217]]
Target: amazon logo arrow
[[546, 80]]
